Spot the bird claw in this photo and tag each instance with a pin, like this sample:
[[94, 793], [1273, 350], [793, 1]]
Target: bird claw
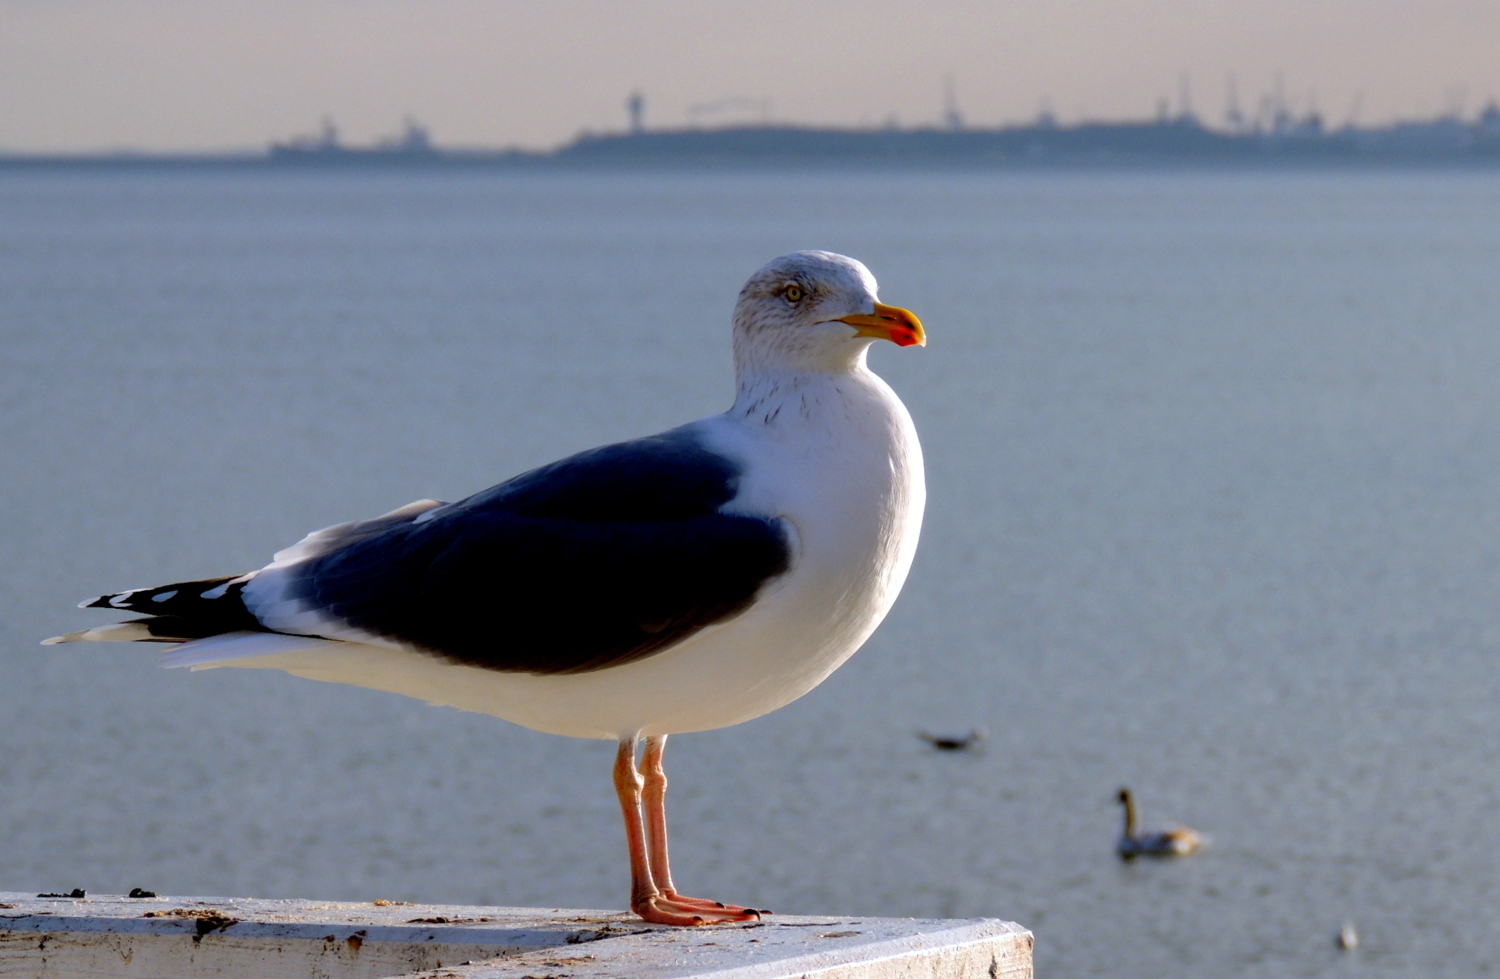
[[674, 909]]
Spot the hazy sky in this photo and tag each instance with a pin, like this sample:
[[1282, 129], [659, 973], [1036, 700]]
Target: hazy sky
[[202, 74]]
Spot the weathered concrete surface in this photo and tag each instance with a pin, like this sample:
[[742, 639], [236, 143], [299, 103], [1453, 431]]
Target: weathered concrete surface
[[189, 938]]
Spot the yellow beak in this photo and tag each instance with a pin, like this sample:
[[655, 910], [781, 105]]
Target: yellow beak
[[900, 326]]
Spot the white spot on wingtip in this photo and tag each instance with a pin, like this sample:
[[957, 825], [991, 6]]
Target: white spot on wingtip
[[54, 640], [89, 601], [223, 589], [164, 596]]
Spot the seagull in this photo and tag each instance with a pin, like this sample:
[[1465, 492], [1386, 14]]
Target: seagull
[[679, 582], [1167, 841]]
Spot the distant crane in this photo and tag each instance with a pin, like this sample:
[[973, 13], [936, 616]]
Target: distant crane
[[636, 106], [953, 120], [1281, 116], [1234, 119], [1312, 123], [1352, 120], [1184, 98]]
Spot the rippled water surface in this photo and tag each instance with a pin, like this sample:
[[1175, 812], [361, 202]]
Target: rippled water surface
[[1214, 475]]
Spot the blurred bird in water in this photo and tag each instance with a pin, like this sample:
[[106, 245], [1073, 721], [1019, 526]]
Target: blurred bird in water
[[1165, 841], [954, 742]]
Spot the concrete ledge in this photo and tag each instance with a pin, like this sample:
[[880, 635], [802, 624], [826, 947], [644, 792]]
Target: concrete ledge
[[188, 938]]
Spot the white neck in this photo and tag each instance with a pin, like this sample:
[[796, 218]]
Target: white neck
[[825, 352], [769, 377], [776, 398]]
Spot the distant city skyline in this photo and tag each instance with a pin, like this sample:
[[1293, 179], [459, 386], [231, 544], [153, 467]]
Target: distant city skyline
[[79, 75]]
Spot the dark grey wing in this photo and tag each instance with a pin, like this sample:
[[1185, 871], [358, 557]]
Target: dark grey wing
[[594, 561]]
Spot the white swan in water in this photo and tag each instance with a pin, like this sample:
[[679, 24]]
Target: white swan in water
[[1166, 841]]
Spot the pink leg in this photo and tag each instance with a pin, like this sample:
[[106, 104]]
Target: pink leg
[[654, 803], [652, 896]]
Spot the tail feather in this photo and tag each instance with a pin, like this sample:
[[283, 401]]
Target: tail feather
[[136, 630], [154, 628], [179, 612]]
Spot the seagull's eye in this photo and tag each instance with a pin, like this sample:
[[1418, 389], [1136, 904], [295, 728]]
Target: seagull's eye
[[792, 292]]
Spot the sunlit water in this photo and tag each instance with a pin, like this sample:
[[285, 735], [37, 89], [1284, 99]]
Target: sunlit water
[[1214, 476]]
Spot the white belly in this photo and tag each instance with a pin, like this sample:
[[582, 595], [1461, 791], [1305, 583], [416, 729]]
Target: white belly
[[845, 473]]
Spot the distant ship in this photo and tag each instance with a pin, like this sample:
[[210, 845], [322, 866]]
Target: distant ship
[[414, 145]]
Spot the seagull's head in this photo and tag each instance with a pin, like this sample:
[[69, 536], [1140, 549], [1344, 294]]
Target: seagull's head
[[815, 311]]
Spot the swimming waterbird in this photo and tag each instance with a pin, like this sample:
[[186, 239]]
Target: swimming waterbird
[[954, 741], [1165, 841]]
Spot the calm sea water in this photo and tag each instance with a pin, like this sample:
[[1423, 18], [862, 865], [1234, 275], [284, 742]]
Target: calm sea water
[[1214, 469]]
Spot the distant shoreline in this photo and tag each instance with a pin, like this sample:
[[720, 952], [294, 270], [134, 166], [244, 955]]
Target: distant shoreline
[[1447, 143]]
